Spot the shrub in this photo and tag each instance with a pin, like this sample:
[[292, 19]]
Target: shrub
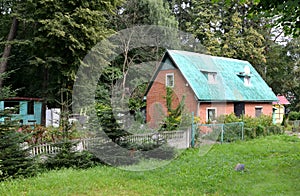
[[67, 157], [40, 134], [253, 127], [260, 130], [249, 133], [232, 132], [275, 130], [228, 118], [294, 115]]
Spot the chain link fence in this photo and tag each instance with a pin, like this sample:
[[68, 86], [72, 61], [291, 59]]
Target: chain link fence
[[212, 133]]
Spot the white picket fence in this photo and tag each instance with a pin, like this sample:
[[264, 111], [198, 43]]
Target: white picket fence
[[44, 149], [177, 139]]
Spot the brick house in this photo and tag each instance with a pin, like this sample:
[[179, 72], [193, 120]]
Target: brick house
[[211, 85]]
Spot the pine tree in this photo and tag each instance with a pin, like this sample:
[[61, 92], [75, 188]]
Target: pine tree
[[14, 155], [15, 159]]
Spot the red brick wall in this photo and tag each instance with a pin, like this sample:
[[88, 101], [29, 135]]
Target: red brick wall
[[267, 108], [156, 104], [221, 108], [228, 108]]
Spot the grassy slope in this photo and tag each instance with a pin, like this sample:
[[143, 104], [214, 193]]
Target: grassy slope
[[272, 168]]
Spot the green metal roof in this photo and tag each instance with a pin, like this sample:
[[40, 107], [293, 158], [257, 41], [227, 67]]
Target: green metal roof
[[230, 74]]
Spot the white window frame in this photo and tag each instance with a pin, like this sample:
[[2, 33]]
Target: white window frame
[[167, 79], [207, 115], [261, 110]]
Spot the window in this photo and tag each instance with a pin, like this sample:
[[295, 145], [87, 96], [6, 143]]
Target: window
[[258, 111], [170, 80], [211, 77], [30, 107], [211, 114], [247, 81], [245, 76], [13, 106]]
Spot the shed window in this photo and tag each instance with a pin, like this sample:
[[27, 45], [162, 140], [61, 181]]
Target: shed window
[[258, 111], [30, 107], [170, 80], [13, 106]]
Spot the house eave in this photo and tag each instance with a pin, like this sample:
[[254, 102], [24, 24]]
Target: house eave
[[224, 101]]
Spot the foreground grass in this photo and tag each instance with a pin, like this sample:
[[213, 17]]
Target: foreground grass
[[272, 168]]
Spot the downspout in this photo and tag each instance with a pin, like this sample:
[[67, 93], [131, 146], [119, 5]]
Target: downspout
[[198, 106]]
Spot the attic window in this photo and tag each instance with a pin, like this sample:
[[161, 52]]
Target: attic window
[[211, 76], [245, 76], [247, 81], [170, 80]]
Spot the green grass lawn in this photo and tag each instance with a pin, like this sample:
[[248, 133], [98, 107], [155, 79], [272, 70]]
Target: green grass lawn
[[272, 168]]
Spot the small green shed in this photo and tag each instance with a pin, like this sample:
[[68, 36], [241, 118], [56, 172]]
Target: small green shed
[[28, 111]]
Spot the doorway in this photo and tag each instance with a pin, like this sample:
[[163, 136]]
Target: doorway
[[239, 109]]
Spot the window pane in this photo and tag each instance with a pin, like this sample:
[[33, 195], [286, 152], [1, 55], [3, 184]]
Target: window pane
[[170, 80], [211, 114], [30, 107], [247, 81], [13, 106], [258, 112], [212, 78]]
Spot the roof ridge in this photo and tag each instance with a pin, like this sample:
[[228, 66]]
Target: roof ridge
[[208, 55]]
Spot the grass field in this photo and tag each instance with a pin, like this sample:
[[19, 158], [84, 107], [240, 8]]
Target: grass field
[[272, 168]]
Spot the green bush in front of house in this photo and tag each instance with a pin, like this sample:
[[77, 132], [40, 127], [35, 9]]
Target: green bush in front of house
[[253, 127]]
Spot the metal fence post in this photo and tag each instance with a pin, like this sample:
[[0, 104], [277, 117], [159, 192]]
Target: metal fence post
[[242, 130], [222, 133], [193, 132]]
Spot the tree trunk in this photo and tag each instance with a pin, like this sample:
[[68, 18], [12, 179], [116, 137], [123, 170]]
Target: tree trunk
[[7, 49]]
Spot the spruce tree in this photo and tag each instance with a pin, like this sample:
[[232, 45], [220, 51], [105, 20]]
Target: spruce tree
[[15, 159]]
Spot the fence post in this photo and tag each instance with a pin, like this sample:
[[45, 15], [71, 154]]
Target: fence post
[[193, 132], [242, 130], [222, 134]]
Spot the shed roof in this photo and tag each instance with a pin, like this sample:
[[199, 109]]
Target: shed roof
[[281, 100], [24, 99], [229, 85]]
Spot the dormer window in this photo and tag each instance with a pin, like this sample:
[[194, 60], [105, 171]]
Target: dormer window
[[211, 76], [247, 81], [170, 80], [245, 76]]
